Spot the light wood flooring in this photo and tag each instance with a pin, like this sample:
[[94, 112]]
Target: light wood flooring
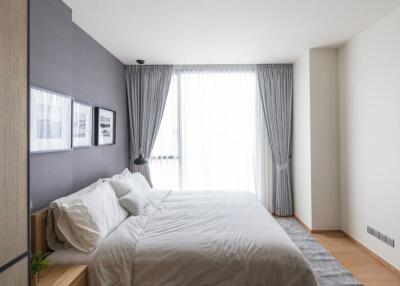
[[367, 269]]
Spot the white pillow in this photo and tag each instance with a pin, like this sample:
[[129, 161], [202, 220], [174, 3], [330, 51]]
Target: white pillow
[[88, 217], [55, 238], [143, 182], [126, 181], [133, 202], [79, 226], [124, 172]]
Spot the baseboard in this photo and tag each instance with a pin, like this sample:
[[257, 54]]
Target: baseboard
[[355, 241], [302, 223], [373, 254], [325, 231], [310, 230]]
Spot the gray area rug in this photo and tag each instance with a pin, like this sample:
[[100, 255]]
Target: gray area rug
[[328, 270]]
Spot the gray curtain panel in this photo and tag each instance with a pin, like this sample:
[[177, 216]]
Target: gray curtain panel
[[275, 84], [147, 90]]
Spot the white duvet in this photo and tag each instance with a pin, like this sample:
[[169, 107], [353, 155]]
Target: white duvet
[[200, 238]]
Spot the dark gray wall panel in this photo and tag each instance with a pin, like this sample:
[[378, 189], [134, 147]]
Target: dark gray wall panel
[[67, 60]]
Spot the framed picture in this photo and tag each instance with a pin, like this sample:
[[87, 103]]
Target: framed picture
[[50, 121], [104, 126], [82, 125]]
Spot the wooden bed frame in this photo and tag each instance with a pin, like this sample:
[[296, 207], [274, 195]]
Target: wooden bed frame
[[38, 230]]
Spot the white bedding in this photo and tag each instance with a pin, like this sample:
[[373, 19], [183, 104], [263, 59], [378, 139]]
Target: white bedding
[[200, 238], [71, 256]]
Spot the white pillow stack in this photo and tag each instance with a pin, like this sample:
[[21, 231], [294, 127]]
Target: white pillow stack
[[87, 217], [132, 190]]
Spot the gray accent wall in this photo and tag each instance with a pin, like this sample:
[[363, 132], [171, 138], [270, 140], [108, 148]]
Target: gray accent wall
[[65, 59]]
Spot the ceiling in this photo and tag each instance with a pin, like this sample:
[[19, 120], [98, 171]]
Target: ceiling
[[223, 31]]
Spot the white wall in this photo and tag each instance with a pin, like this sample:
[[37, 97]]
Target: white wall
[[325, 180], [370, 135], [301, 162], [316, 183]]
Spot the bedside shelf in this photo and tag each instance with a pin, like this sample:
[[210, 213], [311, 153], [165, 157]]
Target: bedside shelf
[[64, 275]]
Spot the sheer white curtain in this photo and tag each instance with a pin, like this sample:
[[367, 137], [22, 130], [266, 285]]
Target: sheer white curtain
[[218, 107], [213, 136]]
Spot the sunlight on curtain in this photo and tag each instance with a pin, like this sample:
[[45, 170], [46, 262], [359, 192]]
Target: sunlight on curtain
[[208, 131], [218, 130], [164, 160]]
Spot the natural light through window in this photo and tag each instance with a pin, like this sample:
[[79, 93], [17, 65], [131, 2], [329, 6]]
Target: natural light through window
[[207, 134]]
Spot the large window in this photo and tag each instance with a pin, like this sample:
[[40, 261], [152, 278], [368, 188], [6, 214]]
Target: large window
[[206, 138]]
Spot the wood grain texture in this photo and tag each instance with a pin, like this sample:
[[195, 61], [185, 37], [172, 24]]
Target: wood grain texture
[[82, 280], [18, 6], [16, 275], [373, 254], [64, 275], [13, 130], [38, 230], [365, 267], [343, 246]]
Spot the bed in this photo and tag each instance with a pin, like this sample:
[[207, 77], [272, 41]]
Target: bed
[[192, 238]]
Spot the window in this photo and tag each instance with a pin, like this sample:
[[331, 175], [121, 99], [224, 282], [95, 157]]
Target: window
[[206, 138]]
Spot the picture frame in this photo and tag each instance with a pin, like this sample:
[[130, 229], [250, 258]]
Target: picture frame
[[50, 121], [105, 126], [82, 127]]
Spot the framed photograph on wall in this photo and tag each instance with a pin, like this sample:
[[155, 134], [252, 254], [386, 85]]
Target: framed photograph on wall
[[50, 121], [82, 128], [104, 126]]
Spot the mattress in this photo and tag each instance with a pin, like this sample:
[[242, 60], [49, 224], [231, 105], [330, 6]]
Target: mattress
[[200, 238]]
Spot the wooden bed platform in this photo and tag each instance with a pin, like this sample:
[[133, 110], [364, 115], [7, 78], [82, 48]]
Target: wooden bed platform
[[38, 229]]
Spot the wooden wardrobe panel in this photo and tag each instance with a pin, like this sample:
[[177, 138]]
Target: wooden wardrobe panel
[[19, 6], [16, 275], [13, 131]]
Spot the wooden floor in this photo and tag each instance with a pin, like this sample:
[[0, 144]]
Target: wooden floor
[[364, 267]]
